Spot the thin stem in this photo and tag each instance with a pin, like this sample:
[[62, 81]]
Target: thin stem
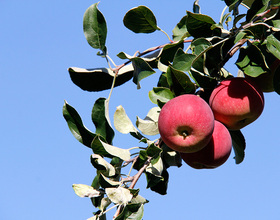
[[102, 213], [222, 15], [166, 35]]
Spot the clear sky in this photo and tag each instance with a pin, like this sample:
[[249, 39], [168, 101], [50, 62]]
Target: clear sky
[[40, 159]]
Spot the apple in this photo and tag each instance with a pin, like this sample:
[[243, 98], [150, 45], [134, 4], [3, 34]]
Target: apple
[[236, 102], [265, 80], [215, 153], [186, 123]]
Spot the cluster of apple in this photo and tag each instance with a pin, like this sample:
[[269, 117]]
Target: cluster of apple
[[199, 129]]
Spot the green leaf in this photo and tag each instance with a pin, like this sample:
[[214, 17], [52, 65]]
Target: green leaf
[[122, 122], [95, 27], [140, 20], [149, 126], [100, 118], [251, 61], [83, 190], [160, 93], [108, 183], [158, 183], [99, 79], [131, 212], [119, 195], [239, 144], [169, 51], [180, 31], [257, 7], [156, 168], [106, 150], [170, 157], [273, 45], [196, 7], [105, 202], [76, 126], [102, 165], [183, 61], [141, 70], [259, 31], [276, 81], [138, 200], [121, 153], [179, 82], [199, 25]]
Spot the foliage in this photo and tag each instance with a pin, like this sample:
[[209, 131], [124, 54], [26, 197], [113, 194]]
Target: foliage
[[194, 70]]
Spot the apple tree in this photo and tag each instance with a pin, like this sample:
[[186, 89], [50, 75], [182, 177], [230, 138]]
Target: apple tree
[[191, 63]]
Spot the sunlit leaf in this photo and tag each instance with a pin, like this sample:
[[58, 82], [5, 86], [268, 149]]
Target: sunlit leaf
[[95, 27], [122, 122], [149, 125], [180, 31], [183, 61], [83, 190], [273, 45], [160, 93], [119, 195], [121, 153], [141, 70], [140, 20]]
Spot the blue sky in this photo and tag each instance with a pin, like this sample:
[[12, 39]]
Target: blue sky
[[40, 159]]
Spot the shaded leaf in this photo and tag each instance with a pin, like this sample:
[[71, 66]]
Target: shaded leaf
[[101, 120], [76, 126], [239, 144], [179, 82], [132, 212], [95, 27], [102, 165], [196, 7], [108, 183], [276, 81], [251, 61], [83, 190], [170, 157], [158, 183], [119, 195], [257, 7], [199, 25], [99, 79], [141, 70], [100, 147], [140, 20], [168, 52]]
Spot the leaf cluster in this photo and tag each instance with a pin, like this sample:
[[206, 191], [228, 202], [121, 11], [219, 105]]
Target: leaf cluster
[[193, 62]]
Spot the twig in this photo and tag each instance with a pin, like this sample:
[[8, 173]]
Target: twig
[[133, 183]]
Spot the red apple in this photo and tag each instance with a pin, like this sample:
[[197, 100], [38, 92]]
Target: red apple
[[215, 153], [236, 102], [186, 123]]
